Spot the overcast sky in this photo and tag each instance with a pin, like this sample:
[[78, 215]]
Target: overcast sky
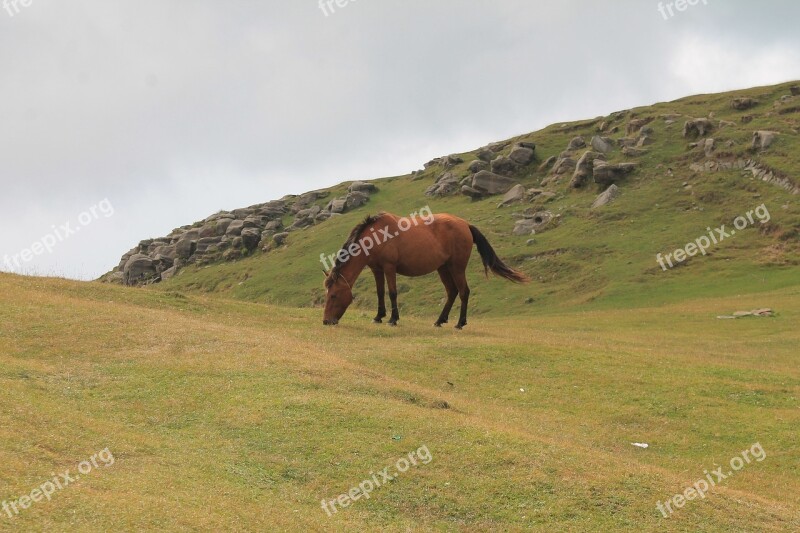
[[174, 109]]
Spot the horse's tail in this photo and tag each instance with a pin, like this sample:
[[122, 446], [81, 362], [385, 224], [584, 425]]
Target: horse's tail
[[494, 263]]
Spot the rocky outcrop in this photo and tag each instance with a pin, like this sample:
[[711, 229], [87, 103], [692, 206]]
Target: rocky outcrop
[[533, 222], [606, 197], [605, 174], [583, 170], [699, 127], [743, 104], [763, 139]]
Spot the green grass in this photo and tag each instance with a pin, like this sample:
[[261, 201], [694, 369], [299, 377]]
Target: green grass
[[223, 414]]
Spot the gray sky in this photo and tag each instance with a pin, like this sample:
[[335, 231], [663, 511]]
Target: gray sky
[[174, 109]]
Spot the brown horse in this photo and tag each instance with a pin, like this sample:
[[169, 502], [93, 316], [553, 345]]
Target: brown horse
[[391, 245]]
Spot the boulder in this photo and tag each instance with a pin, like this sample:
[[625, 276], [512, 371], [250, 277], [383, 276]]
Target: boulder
[[602, 144], [514, 195], [583, 170], [139, 268], [503, 165], [635, 126], [445, 185], [273, 225], [533, 223], [478, 165], [743, 104], [356, 199], [708, 147], [633, 152], [361, 186], [339, 205], [563, 165], [491, 184], [169, 273], [576, 143], [763, 139], [548, 163], [475, 194], [606, 197], [486, 155], [185, 247], [521, 155], [250, 238], [234, 228], [795, 90], [280, 238], [606, 174], [699, 127]]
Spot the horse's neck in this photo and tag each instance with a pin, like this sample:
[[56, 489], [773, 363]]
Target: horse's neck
[[353, 268]]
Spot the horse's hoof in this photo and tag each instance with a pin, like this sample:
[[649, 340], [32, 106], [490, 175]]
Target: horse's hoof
[[377, 320], [437, 325], [393, 324], [460, 326]]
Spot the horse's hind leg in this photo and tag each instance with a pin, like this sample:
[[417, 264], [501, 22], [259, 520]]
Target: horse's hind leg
[[460, 279], [452, 292], [391, 280], [380, 286]]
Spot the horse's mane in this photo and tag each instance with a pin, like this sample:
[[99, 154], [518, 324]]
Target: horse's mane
[[351, 239]]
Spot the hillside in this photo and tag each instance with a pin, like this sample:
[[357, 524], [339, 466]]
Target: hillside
[[226, 415], [681, 168]]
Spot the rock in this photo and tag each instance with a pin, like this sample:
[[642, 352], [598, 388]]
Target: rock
[[280, 238], [360, 186], [185, 247], [606, 174], [202, 245], [606, 197], [250, 238], [743, 104], [601, 144], [795, 90], [533, 223], [521, 155], [576, 143], [633, 152], [446, 184], [478, 165], [763, 139], [235, 228], [583, 170], [491, 184], [747, 119], [530, 242], [699, 127], [337, 205], [169, 273], [563, 165], [486, 155], [524, 144], [466, 190], [628, 142], [139, 268], [708, 147], [356, 199], [644, 140], [515, 194], [273, 225], [497, 147], [503, 165], [636, 125], [548, 163]]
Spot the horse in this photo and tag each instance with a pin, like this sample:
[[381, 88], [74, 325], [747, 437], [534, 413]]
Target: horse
[[390, 245]]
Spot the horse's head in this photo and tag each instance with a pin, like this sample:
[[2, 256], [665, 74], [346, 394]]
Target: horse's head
[[338, 297]]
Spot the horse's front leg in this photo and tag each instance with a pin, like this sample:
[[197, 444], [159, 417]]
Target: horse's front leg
[[391, 279], [380, 286]]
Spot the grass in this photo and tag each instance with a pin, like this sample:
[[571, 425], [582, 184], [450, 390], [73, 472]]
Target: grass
[[228, 415]]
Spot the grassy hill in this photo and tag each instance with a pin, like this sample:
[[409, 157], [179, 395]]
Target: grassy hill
[[595, 258], [227, 415]]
